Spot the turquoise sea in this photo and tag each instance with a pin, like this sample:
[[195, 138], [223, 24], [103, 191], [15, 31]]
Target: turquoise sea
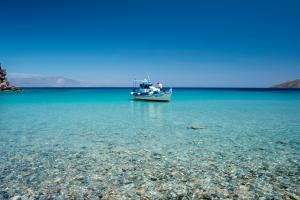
[[98, 143]]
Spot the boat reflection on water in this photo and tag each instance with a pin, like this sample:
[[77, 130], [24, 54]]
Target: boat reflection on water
[[152, 114]]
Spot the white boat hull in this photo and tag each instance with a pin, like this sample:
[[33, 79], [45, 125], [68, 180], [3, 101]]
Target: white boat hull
[[155, 97]]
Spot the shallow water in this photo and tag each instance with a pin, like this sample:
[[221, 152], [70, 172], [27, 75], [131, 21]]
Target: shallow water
[[100, 144]]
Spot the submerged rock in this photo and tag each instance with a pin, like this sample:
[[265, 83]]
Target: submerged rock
[[156, 156], [79, 178], [195, 127]]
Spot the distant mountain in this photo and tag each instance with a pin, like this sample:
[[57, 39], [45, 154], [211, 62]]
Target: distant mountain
[[45, 81], [288, 84]]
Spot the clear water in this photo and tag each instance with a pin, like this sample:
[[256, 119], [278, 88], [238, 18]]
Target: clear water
[[100, 144]]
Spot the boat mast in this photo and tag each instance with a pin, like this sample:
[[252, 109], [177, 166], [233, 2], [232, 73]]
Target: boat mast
[[149, 78]]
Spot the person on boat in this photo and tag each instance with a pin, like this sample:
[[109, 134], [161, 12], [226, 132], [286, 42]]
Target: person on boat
[[159, 85]]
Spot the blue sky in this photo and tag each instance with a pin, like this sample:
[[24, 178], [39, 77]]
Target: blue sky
[[212, 43]]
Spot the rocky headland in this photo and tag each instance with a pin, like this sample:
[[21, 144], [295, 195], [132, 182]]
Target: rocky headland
[[289, 84], [4, 83]]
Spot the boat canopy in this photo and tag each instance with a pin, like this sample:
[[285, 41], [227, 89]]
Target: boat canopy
[[145, 84]]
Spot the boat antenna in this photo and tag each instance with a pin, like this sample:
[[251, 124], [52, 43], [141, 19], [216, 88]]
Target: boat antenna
[[133, 82], [149, 78]]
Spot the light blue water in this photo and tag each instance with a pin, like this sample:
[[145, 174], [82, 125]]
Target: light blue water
[[98, 143]]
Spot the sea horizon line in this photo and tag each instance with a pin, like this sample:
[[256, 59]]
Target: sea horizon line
[[177, 87]]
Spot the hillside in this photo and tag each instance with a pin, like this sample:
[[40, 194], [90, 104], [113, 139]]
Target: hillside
[[47, 81], [288, 84]]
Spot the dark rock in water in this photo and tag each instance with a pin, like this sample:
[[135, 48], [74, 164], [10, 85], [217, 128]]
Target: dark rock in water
[[283, 142], [153, 178], [195, 127], [156, 156]]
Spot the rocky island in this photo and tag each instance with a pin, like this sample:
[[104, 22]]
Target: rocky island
[[4, 83], [289, 84]]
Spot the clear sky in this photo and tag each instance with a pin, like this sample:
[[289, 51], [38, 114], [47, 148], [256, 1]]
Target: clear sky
[[212, 43]]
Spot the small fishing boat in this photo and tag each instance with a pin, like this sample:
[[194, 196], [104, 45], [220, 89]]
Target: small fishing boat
[[146, 91]]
